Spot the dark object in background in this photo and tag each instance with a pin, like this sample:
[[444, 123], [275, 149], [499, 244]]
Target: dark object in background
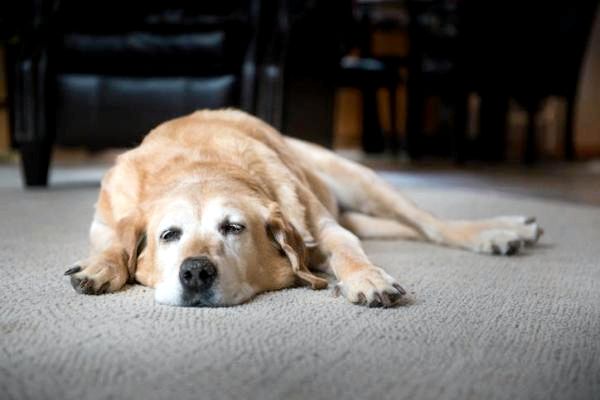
[[369, 72], [433, 68], [368, 75], [103, 73], [525, 50], [310, 38]]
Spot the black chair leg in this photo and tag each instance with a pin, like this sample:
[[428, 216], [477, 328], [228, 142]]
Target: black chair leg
[[35, 161]]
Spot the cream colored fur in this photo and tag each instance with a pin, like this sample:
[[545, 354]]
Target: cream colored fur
[[303, 207]]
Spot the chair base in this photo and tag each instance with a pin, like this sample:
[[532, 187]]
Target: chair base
[[35, 162]]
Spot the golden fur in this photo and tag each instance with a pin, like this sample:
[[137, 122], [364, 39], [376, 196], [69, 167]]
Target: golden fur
[[197, 172]]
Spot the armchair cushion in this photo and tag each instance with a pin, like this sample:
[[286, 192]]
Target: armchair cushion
[[150, 53], [118, 111]]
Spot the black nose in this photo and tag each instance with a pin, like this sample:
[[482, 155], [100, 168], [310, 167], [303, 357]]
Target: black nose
[[197, 273]]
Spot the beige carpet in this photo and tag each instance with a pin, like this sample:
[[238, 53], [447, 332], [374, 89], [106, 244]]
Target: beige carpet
[[481, 327]]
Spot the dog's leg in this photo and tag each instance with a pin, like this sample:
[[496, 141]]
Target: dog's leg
[[359, 189], [105, 269], [359, 280], [368, 227], [115, 236]]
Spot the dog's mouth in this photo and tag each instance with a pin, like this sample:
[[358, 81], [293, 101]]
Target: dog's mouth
[[206, 298]]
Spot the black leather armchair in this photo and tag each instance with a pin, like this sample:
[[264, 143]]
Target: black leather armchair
[[102, 73]]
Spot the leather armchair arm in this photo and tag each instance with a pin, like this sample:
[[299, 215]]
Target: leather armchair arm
[[27, 65], [248, 71], [272, 66]]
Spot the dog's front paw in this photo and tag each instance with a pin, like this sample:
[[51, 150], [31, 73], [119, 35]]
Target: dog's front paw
[[96, 277], [372, 287]]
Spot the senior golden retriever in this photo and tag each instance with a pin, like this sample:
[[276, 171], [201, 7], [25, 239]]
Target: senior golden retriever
[[216, 207]]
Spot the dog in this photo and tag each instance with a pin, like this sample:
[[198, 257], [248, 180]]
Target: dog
[[217, 206]]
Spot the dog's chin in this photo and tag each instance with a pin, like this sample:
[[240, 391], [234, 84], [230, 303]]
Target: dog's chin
[[182, 298], [190, 301], [204, 299], [209, 298], [170, 292]]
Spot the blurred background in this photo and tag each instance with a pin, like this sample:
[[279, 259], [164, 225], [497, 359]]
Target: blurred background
[[453, 92]]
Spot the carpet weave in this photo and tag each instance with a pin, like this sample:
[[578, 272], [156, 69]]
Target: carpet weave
[[480, 327]]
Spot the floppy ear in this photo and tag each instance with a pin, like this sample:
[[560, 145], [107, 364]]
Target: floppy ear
[[290, 243], [132, 237]]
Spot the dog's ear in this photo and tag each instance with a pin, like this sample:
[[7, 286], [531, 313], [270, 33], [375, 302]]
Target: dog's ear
[[290, 244], [132, 236]]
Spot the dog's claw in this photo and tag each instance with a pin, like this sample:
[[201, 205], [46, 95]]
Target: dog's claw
[[337, 291], [362, 299], [85, 286], [386, 300], [495, 249], [377, 301], [400, 289], [513, 247], [104, 288], [73, 270]]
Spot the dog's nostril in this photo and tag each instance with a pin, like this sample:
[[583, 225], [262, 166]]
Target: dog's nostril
[[197, 273], [204, 275], [187, 275]]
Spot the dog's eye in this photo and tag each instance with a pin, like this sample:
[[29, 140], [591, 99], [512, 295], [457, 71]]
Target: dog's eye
[[170, 235], [230, 228]]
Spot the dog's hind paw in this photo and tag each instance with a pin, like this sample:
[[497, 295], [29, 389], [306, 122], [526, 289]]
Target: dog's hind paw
[[525, 227], [504, 235], [499, 242], [507, 241]]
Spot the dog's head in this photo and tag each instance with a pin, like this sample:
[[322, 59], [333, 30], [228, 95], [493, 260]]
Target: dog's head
[[210, 247]]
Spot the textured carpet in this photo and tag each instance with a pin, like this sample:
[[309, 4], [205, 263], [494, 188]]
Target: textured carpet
[[480, 327]]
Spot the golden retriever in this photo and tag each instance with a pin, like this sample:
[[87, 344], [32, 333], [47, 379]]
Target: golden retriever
[[216, 207]]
